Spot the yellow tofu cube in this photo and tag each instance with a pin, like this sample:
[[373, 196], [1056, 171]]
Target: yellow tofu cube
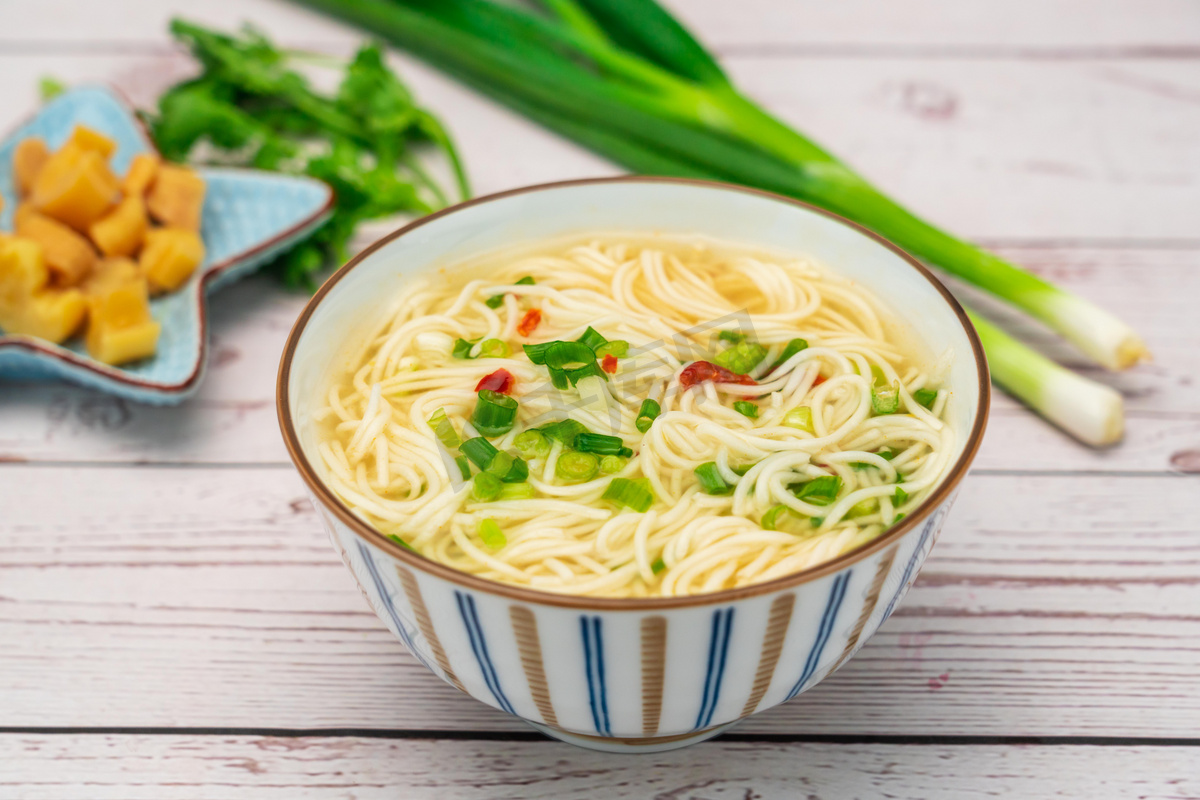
[[75, 187], [142, 171], [169, 257], [92, 139], [176, 198], [120, 232], [26, 305], [69, 255], [29, 157], [121, 329]]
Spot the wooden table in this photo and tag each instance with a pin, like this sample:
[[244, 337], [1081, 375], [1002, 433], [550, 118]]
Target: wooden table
[[174, 624]]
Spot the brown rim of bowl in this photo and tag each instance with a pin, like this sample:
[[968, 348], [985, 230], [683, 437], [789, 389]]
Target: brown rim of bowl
[[515, 592]]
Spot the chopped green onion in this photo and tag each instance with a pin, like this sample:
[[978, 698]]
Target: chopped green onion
[[592, 338], [770, 520], [493, 348], [742, 469], [741, 358], [817, 521], [443, 428], [576, 374], [486, 487], [733, 337], [532, 444], [800, 417], [516, 491], [480, 451], [464, 466], [647, 414], [613, 464], [564, 431], [886, 453], [897, 518], [658, 566], [746, 408], [577, 467], [635, 494], [537, 352], [495, 413], [601, 445], [564, 355], [526, 281], [863, 508], [925, 397], [711, 481], [793, 347], [462, 349], [900, 498], [819, 491], [490, 533], [500, 464], [885, 400], [497, 300], [558, 378], [618, 348]]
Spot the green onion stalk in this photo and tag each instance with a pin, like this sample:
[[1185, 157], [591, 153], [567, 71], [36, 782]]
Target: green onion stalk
[[623, 78]]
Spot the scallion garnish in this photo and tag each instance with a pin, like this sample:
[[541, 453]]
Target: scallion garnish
[[576, 374], [635, 494], [537, 352], [563, 431], [885, 397], [400, 542], [462, 349], [925, 397], [490, 533], [567, 355], [495, 413], [480, 451], [741, 469], [613, 464], [647, 414], [711, 481], [863, 508], [793, 347], [516, 491], [900, 497], [601, 444], [800, 417], [886, 453], [577, 467], [532, 444], [592, 338], [746, 408], [443, 428], [486, 487], [618, 348], [733, 337], [493, 348], [770, 520], [558, 378], [503, 465], [658, 566], [741, 358], [819, 491], [464, 466], [497, 300]]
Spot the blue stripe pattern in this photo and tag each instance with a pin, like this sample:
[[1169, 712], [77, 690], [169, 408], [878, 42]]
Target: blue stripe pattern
[[836, 595], [470, 618], [386, 598], [593, 658], [908, 570], [718, 649]]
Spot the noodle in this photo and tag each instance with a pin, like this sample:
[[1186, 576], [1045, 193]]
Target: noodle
[[814, 420]]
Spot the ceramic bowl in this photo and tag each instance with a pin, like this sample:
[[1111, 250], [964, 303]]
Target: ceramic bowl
[[249, 217], [629, 674]]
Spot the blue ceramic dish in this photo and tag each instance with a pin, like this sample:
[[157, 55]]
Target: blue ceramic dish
[[249, 217]]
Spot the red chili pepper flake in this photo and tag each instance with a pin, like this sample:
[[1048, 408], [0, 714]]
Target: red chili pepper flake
[[699, 371], [531, 320], [499, 381], [609, 364], [820, 379]]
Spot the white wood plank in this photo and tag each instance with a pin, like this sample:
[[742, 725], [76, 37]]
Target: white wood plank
[[1050, 26], [991, 149], [133, 767], [1052, 606], [233, 417]]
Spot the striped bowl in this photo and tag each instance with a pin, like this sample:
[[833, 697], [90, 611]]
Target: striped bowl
[[610, 674]]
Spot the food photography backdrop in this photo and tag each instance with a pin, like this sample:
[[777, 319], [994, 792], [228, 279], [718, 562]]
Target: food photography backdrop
[[174, 620]]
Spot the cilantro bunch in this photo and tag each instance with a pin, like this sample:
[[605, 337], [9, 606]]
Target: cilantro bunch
[[251, 108]]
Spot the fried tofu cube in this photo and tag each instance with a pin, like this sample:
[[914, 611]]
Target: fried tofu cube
[[75, 187], [27, 305], [110, 273], [91, 139], [29, 157], [142, 171], [120, 328], [120, 232], [176, 198], [169, 257], [69, 256]]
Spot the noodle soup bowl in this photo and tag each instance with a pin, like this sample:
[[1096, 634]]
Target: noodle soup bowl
[[629, 674]]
